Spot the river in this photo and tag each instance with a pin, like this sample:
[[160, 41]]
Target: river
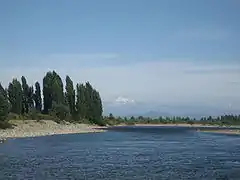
[[141, 153]]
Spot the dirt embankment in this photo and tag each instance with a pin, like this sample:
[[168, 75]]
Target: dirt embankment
[[32, 128]]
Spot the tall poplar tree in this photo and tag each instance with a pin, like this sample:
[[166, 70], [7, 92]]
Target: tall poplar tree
[[30, 98], [70, 96], [25, 89], [81, 101], [37, 97], [47, 92], [15, 95], [4, 104]]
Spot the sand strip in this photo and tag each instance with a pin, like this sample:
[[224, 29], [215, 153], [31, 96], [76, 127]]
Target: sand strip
[[33, 128], [223, 131]]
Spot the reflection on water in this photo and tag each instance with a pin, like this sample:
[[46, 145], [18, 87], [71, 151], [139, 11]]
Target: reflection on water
[[123, 153]]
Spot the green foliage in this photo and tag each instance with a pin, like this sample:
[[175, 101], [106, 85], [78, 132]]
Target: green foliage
[[89, 104], [60, 111], [47, 92], [30, 98], [34, 114], [5, 125], [81, 101], [57, 89], [226, 120], [4, 107], [14, 116], [15, 96], [52, 90], [70, 96], [130, 123], [3, 91], [37, 97], [25, 102], [25, 89]]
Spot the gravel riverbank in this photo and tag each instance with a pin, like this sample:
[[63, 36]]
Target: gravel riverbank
[[223, 131], [32, 128]]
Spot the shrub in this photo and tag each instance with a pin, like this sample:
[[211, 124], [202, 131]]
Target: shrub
[[60, 111], [4, 107], [130, 122], [5, 125], [13, 116]]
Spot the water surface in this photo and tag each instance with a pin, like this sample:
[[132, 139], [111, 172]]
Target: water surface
[[124, 153]]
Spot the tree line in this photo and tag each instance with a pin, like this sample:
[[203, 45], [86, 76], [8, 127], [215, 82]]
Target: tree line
[[53, 100], [224, 120]]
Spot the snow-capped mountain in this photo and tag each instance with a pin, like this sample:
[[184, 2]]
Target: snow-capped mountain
[[123, 100]]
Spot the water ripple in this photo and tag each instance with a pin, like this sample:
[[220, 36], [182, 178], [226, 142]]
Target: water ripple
[[132, 154]]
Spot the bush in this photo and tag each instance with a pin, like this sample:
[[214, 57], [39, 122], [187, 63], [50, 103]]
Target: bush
[[13, 116], [45, 117], [4, 107], [5, 125], [60, 111], [100, 122], [130, 122]]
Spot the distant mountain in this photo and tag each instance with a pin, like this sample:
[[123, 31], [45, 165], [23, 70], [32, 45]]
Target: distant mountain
[[154, 114]]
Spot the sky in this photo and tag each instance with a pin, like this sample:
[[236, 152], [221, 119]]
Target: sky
[[162, 52]]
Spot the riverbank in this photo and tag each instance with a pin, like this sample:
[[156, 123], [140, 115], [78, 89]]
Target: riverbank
[[223, 131], [220, 131], [198, 127], [179, 125], [33, 128]]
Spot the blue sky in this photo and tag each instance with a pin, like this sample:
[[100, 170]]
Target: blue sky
[[159, 51]]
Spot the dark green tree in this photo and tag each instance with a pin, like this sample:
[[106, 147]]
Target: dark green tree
[[57, 89], [3, 91], [30, 98], [70, 96], [97, 106], [38, 97], [60, 111], [81, 101], [89, 102], [4, 107], [25, 89], [52, 90], [111, 117], [4, 104], [47, 92], [15, 95], [93, 105]]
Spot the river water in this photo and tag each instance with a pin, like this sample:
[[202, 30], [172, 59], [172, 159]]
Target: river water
[[124, 153]]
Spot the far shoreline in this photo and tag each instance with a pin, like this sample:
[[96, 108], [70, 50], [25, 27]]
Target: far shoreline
[[221, 131], [229, 129], [179, 125]]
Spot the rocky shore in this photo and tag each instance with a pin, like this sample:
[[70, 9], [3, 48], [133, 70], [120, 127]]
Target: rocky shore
[[32, 128], [223, 131]]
